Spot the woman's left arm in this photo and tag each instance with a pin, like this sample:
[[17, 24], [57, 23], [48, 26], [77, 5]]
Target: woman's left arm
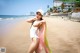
[[38, 23]]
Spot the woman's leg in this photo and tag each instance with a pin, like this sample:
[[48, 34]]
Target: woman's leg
[[33, 45], [38, 49]]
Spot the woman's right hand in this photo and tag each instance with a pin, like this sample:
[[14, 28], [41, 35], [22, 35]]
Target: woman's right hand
[[30, 20]]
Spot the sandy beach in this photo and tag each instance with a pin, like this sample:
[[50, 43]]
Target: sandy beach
[[63, 36]]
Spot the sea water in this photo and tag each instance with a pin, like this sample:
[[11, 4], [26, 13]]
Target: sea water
[[6, 21], [11, 17]]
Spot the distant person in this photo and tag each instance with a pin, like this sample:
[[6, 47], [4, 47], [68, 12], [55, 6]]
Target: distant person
[[37, 34]]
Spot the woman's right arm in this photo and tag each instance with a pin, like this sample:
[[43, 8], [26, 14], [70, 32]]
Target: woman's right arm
[[30, 20]]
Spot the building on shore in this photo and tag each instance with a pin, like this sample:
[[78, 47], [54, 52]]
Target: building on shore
[[57, 6], [32, 13], [76, 9], [67, 6]]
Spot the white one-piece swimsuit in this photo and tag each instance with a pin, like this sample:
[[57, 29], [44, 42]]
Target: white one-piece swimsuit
[[33, 31]]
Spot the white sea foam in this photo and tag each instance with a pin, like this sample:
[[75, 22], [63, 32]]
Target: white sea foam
[[12, 18], [0, 19], [9, 19]]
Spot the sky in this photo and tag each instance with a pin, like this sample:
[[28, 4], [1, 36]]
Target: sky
[[23, 7]]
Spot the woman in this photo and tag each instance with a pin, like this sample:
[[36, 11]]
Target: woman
[[37, 34]]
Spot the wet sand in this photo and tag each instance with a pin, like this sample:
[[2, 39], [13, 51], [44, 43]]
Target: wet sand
[[63, 36]]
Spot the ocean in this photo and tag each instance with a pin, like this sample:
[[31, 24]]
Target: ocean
[[11, 17], [6, 21]]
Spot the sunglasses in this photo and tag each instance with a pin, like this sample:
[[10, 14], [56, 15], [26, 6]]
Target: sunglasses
[[38, 13]]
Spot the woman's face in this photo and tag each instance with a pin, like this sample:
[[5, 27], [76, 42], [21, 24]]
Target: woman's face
[[38, 15]]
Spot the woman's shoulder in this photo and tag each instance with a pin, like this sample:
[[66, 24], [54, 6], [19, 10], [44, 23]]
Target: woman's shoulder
[[43, 21]]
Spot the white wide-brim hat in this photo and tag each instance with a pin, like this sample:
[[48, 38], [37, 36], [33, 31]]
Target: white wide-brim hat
[[41, 11]]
